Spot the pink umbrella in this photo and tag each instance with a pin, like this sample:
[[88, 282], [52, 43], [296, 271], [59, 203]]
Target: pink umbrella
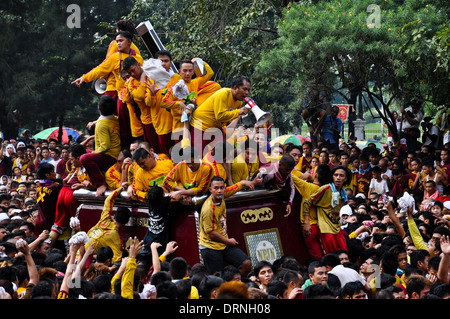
[[303, 138]]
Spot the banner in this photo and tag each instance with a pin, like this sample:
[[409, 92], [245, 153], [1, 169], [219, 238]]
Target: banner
[[343, 111]]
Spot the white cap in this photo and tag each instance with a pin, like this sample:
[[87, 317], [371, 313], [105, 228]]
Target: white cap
[[346, 210], [361, 195], [3, 216], [447, 204]]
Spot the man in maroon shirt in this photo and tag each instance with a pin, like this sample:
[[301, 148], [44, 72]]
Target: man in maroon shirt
[[47, 195]]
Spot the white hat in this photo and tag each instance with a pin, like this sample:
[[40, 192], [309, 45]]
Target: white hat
[[346, 210], [361, 195], [3, 216], [15, 211], [447, 204]]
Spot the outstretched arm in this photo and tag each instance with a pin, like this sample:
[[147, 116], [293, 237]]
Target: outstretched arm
[[445, 261]]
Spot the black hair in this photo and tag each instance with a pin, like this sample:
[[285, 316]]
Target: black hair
[[125, 34], [104, 253], [318, 291], [77, 150], [140, 153], [239, 81], [217, 179], [102, 283], [250, 144], [107, 105], [276, 288], [351, 288], [209, 284], [287, 160], [348, 174], [418, 255], [125, 25], [293, 146], [323, 172], [184, 287], [186, 61], [122, 215], [166, 289], [331, 259], [315, 264], [44, 169], [129, 62], [163, 52], [229, 272], [260, 265], [178, 268], [191, 151]]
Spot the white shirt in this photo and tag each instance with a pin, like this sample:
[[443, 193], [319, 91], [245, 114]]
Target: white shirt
[[417, 116], [379, 187], [346, 275]]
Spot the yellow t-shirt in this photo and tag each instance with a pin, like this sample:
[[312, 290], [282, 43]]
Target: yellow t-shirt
[[107, 136], [105, 232], [112, 48], [112, 64], [144, 180], [137, 92], [182, 176], [217, 111], [212, 218], [135, 122], [113, 178], [240, 170], [306, 189]]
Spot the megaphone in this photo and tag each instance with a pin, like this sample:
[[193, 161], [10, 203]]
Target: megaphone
[[99, 86], [261, 116]]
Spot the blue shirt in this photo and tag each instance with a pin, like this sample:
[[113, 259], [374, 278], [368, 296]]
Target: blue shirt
[[328, 134]]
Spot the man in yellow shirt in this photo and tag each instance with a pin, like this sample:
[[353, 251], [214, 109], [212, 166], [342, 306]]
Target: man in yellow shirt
[[136, 87], [116, 174], [156, 121], [305, 161], [215, 245], [114, 64], [328, 201], [309, 221], [151, 172], [137, 131], [121, 25], [246, 164], [188, 178], [106, 231], [186, 71], [215, 112], [107, 145]]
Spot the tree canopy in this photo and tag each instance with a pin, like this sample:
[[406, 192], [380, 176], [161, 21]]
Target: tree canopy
[[376, 53]]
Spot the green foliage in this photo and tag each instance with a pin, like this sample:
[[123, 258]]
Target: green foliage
[[336, 47], [41, 55]]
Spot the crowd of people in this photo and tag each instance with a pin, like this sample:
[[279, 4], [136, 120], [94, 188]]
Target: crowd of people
[[375, 222]]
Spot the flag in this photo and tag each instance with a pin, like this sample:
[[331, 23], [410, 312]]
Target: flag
[[343, 111]]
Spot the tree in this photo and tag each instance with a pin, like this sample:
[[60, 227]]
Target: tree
[[338, 48], [42, 54]]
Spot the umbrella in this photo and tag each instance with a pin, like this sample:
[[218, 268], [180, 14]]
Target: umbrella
[[53, 132], [303, 139], [288, 138], [363, 144]]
